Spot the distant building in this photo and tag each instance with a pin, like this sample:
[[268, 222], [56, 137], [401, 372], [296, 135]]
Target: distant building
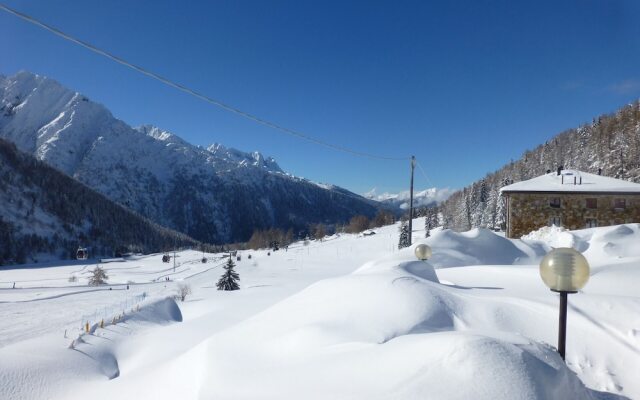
[[571, 199]]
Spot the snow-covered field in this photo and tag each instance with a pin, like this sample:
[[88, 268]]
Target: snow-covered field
[[349, 317]]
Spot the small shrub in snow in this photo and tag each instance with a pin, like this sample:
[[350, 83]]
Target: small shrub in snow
[[229, 280], [73, 278], [98, 276], [183, 291]]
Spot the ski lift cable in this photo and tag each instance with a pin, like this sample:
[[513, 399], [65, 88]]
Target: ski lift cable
[[192, 92]]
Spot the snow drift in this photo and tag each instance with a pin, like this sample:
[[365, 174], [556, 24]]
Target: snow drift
[[386, 331]]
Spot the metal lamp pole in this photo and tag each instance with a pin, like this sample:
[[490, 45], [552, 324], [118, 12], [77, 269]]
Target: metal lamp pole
[[564, 270], [413, 166], [562, 324]]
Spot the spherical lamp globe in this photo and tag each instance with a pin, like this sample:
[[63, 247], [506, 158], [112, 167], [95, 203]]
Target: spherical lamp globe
[[423, 252], [564, 270]]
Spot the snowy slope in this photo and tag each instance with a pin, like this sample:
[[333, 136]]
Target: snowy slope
[[349, 317], [156, 173]]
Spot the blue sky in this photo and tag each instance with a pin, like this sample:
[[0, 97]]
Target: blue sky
[[465, 86]]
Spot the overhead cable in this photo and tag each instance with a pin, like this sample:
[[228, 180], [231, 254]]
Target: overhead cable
[[424, 174], [192, 92]]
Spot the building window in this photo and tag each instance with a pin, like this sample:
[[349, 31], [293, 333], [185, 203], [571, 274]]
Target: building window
[[554, 202], [591, 222], [555, 221], [592, 203], [619, 204]]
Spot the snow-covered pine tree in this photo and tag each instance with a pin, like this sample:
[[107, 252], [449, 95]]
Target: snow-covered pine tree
[[430, 220], [427, 223], [435, 211], [229, 280], [404, 235], [481, 196]]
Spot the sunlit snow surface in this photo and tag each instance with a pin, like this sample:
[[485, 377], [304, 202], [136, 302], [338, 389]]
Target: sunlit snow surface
[[350, 317]]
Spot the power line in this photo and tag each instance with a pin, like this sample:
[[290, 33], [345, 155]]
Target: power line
[[424, 174], [189, 91]]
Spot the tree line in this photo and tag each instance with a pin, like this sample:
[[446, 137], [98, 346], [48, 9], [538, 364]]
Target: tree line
[[266, 238]]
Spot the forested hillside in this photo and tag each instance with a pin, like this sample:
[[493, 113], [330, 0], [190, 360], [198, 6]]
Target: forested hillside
[[44, 211], [610, 143]]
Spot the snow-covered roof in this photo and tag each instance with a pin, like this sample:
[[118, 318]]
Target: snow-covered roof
[[564, 183]]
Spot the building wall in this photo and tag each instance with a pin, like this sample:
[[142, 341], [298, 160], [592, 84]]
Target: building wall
[[527, 212]]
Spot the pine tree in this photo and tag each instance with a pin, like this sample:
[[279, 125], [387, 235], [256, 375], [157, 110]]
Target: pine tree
[[228, 280], [428, 221], [404, 235], [435, 211], [431, 219]]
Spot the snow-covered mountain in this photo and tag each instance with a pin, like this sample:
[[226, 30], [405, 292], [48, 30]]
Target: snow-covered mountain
[[216, 194], [400, 200]]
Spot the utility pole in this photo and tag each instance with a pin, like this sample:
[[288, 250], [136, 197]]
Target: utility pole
[[413, 166]]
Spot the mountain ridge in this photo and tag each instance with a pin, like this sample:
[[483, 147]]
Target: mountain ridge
[[217, 194]]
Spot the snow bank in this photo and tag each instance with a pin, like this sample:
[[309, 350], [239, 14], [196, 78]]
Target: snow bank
[[42, 368], [386, 331], [479, 247], [161, 311], [598, 244], [557, 236], [618, 241]]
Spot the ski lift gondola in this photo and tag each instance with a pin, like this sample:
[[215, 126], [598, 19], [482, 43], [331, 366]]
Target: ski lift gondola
[[82, 253]]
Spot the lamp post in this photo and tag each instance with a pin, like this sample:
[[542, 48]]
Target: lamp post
[[564, 270], [422, 252]]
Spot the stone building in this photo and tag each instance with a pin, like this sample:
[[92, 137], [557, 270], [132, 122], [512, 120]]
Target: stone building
[[571, 199]]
